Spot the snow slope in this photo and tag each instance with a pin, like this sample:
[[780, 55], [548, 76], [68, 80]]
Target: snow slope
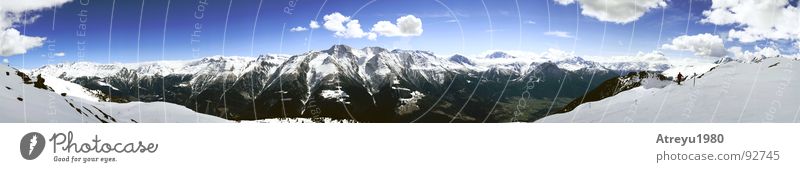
[[731, 92], [22, 102], [71, 89], [688, 70]]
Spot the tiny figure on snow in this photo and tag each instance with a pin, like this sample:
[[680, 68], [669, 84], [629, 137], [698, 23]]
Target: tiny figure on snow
[[680, 78]]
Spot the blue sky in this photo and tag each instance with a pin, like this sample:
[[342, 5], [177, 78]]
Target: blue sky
[[484, 25]]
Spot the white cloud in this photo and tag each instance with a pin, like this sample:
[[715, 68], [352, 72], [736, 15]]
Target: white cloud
[[408, 25], [335, 22], [515, 53], [313, 25], [561, 34], [655, 55], [346, 27], [352, 29], [59, 54], [738, 53], [756, 19], [29, 5], [557, 54], [705, 45], [298, 29], [565, 2], [617, 11], [530, 22], [12, 42]]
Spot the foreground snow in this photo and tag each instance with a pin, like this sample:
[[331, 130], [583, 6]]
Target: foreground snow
[[732, 92], [22, 102], [71, 89]]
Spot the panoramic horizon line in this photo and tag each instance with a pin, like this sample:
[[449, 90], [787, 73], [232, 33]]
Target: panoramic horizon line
[[512, 53]]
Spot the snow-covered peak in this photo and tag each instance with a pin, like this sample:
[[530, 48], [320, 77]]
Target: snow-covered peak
[[414, 52], [577, 63], [373, 50], [518, 59], [339, 49], [460, 60], [499, 55], [214, 64], [637, 66], [652, 61], [219, 58], [77, 69]]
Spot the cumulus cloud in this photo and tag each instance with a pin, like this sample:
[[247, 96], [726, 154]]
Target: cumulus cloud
[[335, 22], [313, 25], [29, 5], [617, 11], [343, 26], [705, 45], [346, 27], [756, 20], [408, 25], [557, 54], [353, 30], [59, 54], [565, 2], [298, 29], [758, 53], [12, 42], [651, 57], [561, 34], [655, 55]]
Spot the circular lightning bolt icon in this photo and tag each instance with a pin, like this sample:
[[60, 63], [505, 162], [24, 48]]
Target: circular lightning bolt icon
[[31, 145]]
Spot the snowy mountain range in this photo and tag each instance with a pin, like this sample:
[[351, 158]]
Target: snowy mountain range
[[371, 84]]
